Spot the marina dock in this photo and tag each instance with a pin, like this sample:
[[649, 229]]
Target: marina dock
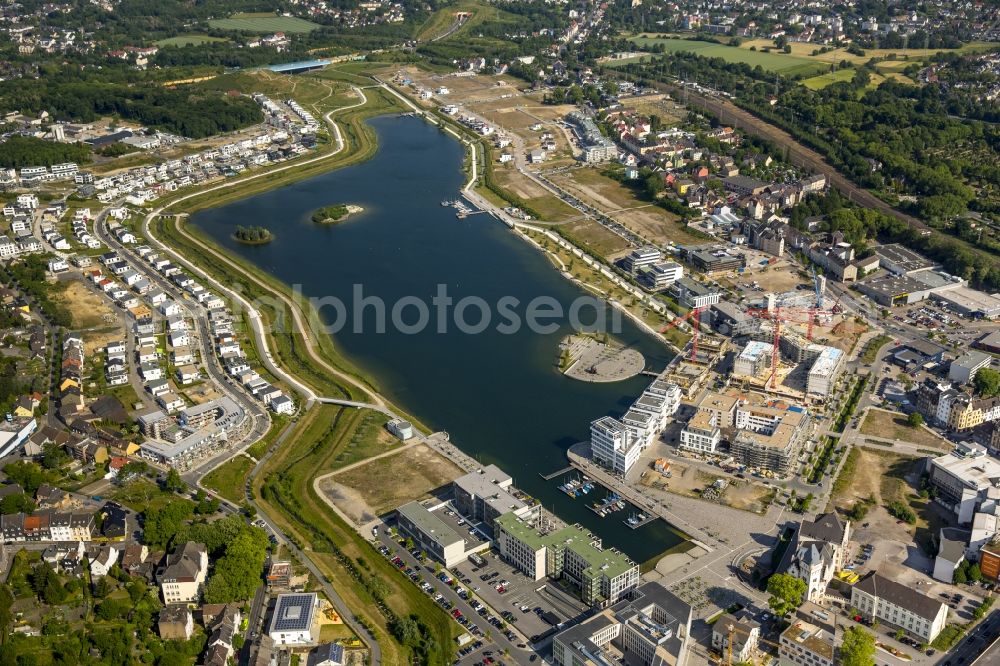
[[549, 477]]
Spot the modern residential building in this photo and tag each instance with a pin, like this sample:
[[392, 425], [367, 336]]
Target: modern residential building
[[184, 573], [601, 576], [769, 435], [899, 606], [651, 627], [292, 621], [613, 446], [753, 359], [824, 371], [702, 432]]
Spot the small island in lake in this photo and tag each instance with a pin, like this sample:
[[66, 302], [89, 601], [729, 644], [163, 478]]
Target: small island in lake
[[253, 235], [334, 214]]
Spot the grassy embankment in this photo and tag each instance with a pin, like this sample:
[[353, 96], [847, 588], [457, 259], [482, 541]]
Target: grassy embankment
[[325, 432], [369, 584], [285, 341]]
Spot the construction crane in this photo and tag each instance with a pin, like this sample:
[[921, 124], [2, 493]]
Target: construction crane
[[776, 315], [695, 316], [816, 286]]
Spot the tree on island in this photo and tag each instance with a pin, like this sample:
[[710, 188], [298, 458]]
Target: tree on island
[[252, 234], [330, 213]]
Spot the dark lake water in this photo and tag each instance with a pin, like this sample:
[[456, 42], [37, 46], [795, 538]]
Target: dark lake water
[[498, 394]]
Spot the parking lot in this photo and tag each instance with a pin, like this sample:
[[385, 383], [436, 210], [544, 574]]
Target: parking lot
[[531, 607]]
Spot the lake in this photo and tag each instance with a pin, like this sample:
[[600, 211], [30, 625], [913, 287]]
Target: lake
[[498, 392]]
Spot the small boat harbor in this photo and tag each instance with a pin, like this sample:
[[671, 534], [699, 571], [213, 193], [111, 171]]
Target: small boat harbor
[[580, 486]]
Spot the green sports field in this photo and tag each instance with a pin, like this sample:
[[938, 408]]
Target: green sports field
[[189, 40], [782, 63], [264, 23]]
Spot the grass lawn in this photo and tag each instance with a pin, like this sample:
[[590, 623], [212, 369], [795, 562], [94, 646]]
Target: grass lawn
[[773, 62], [354, 568], [441, 20], [193, 39], [823, 80], [144, 495], [263, 23], [230, 478], [890, 425]]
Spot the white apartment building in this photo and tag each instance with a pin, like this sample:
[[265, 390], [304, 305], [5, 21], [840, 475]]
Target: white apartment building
[[612, 445], [702, 433], [900, 606]]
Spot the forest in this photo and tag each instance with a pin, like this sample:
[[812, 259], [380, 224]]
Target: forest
[[71, 96], [27, 151]]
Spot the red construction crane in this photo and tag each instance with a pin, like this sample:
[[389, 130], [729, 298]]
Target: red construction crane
[[695, 316], [779, 314]]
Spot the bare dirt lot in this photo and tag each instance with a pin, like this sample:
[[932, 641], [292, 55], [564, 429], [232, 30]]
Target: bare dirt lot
[[93, 316], [692, 482], [596, 238], [411, 474]]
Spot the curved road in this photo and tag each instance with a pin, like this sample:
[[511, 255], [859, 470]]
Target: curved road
[[268, 360]]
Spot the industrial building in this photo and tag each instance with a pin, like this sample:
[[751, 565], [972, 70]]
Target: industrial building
[[970, 302], [652, 627], [900, 260], [602, 576]]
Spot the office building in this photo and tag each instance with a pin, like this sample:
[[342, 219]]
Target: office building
[[964, 368], [899, 606], [431, 534], [693, 294], [963, 479], [486, 494], [640, 258], [651, 627], [660, 275], [601, 576], [806, 643]]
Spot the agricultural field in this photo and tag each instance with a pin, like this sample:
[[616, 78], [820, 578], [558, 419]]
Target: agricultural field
[[824, 80], [263, 23], [787, 64], [906, 56], [189, 40]]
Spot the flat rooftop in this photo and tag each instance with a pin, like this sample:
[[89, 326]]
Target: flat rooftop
[[903, 257], [977, 472], [971, 300], [430, 524]]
